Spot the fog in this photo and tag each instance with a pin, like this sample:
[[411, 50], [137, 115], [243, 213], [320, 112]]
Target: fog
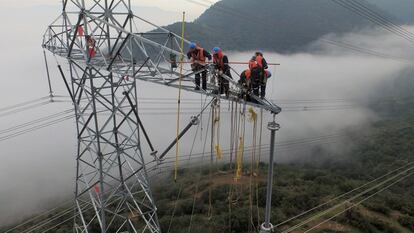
[[321, 92]]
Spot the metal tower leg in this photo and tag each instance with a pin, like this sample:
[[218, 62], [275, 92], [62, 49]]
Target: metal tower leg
[[267, 227], [112, 189]]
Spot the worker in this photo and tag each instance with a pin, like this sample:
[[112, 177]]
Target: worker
[[221, 64], [255, 70], [198, 57], [246, 83], [262, 78], [91, 43]]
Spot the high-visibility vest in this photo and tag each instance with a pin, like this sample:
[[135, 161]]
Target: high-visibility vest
[[81, 32], [248, 73], [218, 60], [199, 56]]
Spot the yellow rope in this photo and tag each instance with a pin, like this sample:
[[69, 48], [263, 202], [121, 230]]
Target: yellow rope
[[252, 115], [240, 150], [217, 147], [239, 166], [253, 119], [179, 97]]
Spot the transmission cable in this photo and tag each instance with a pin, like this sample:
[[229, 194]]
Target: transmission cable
[[374, 17], [342, 195], [23, 103], [346, 201], [326, 40], [359, 202]]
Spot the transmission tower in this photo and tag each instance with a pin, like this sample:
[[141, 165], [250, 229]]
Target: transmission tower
[[106, 49], [103, 59]]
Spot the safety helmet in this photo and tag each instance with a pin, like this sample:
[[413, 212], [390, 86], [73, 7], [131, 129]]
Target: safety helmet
[[193, 45], [259, 52], [216, 50]]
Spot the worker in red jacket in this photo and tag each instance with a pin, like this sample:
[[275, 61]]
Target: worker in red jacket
[[221, 64], [262, 64], [255, 70], [247, 83], [198, 57]]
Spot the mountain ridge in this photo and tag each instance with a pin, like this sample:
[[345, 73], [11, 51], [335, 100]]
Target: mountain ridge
[[282, 26]]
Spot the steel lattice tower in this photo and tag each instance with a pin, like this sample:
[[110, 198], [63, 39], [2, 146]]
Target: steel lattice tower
[[104, 58], [106, 50]]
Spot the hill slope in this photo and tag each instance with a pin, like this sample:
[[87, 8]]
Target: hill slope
[[276, 25], [210, 199]]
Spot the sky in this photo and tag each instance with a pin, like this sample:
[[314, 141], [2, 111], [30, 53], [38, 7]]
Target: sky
[[177, 6], [39, 167]]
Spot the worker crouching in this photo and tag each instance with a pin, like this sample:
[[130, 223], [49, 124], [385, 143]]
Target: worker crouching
[[198, 57], [249, 81], [221, 65]]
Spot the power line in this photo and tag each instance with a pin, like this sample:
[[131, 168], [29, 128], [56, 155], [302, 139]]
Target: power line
[[156, 167], [347, 201], [342, 195], [341, 44], [359, 202], [149, 169], [386, 23], [35, 121], [34, 128], [23, 103], [24, 108]]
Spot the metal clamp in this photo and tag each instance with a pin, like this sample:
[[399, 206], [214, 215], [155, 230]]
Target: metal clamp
[[264, 229], [273, 126]]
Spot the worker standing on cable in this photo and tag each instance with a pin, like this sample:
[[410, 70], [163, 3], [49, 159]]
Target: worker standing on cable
[[221, 65], [198, 57], [261, 62]]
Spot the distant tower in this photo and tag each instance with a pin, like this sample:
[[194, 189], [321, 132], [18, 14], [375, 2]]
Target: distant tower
[[104, 56]]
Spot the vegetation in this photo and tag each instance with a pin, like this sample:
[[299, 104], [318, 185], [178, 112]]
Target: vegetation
[[271, 25], [298, 188], [239, 206]]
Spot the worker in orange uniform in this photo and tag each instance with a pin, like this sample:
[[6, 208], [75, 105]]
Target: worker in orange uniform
[[90, 41], [261, 61], [198, 57], [221, 64], [246, 83], [255, 73]]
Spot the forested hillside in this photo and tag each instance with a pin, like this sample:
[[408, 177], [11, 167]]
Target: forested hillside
[[275, 25], [208, 199]]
